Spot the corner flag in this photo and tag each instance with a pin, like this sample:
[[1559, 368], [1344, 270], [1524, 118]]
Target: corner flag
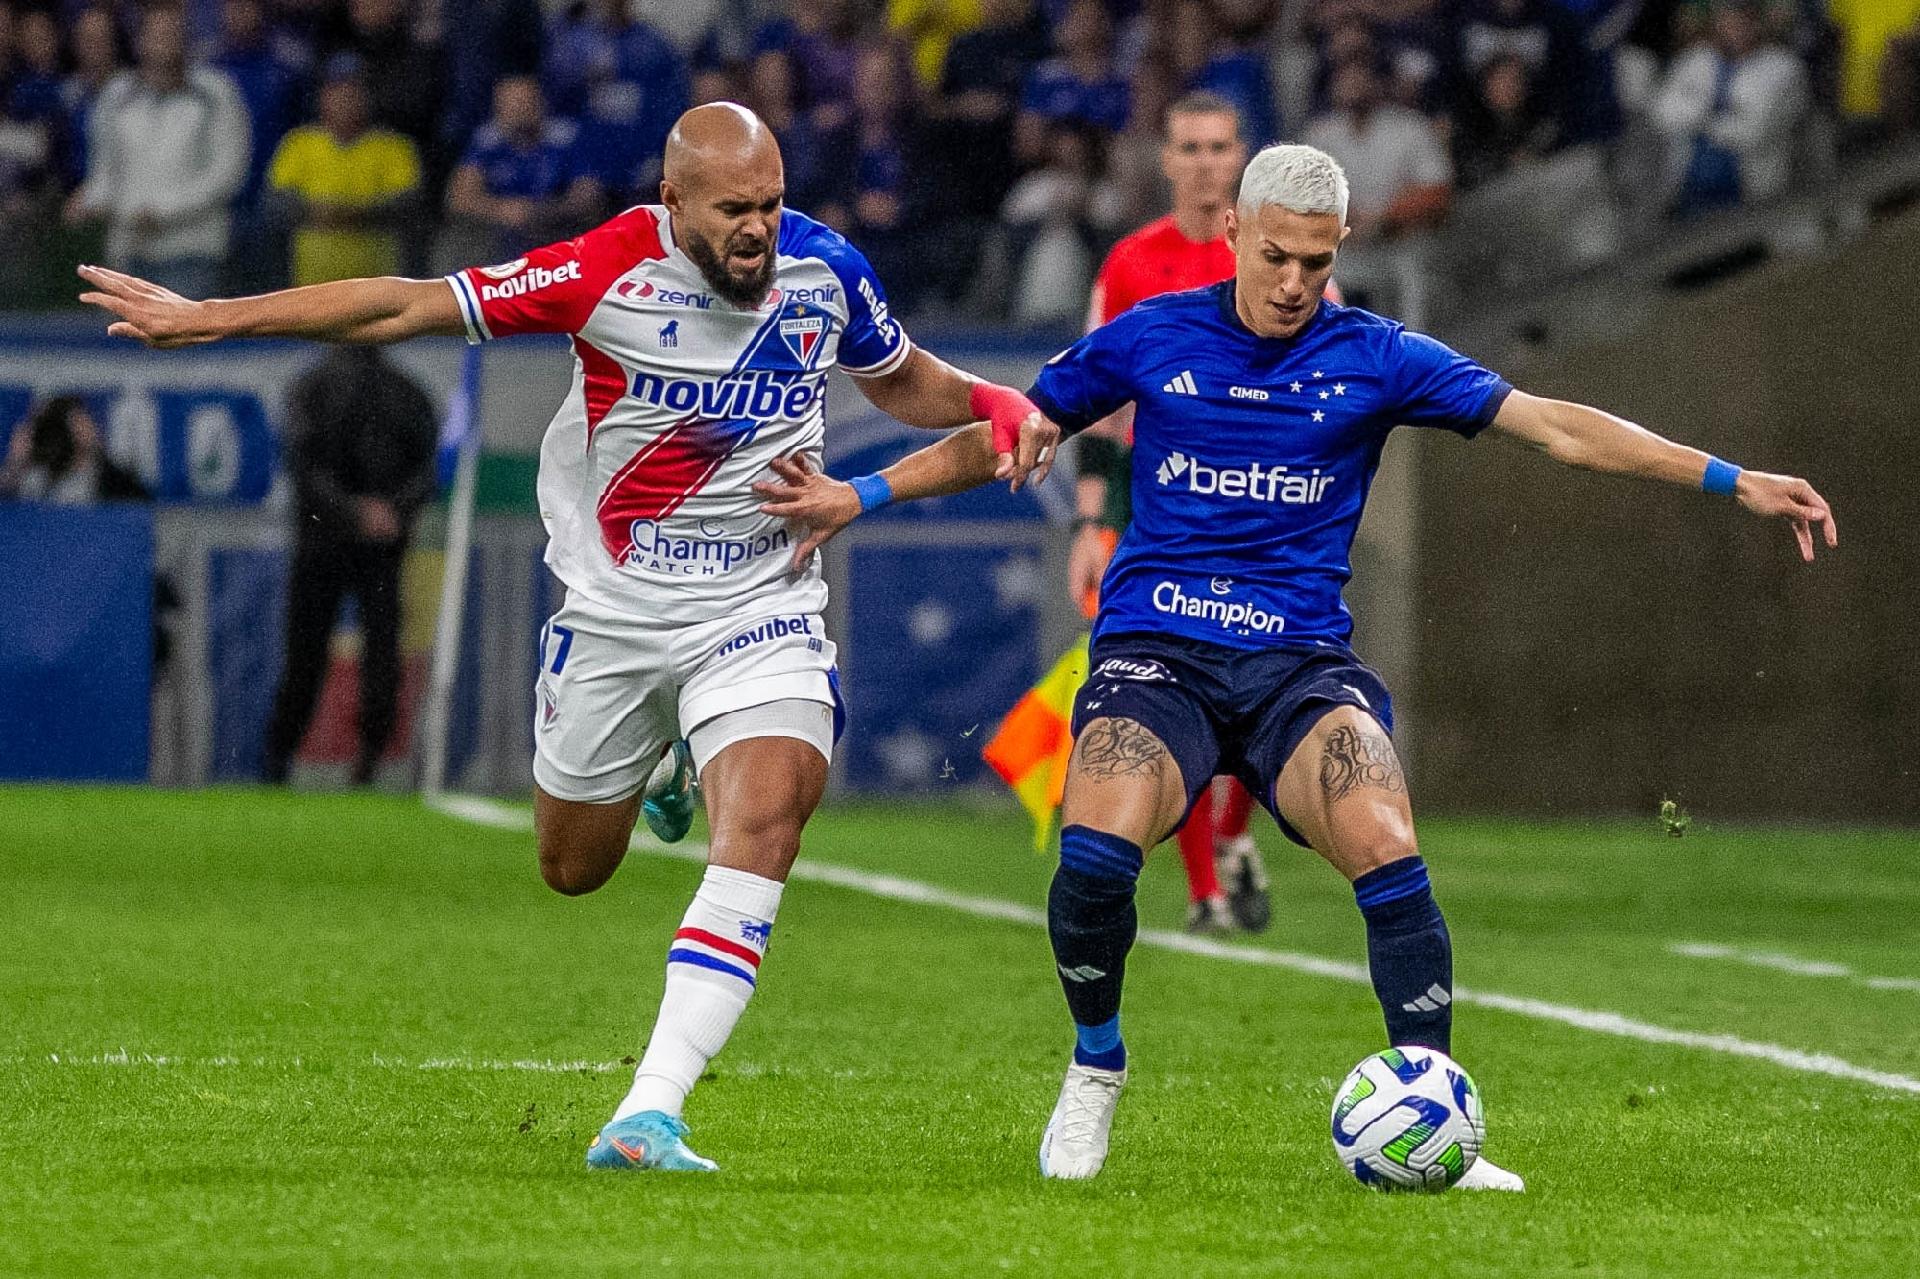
[[1029, 750]]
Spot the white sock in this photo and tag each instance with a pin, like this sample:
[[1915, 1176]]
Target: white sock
[[711, 969]]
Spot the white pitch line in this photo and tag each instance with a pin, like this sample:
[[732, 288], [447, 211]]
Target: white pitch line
[[1784, 963], [487, 812], [124, 1057]]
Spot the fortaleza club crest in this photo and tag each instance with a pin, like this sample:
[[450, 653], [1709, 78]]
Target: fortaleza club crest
[[802, 336]]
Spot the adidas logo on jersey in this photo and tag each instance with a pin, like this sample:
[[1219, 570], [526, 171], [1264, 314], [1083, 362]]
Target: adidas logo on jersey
[[1182, 385], [538, 278], [1261, 483]]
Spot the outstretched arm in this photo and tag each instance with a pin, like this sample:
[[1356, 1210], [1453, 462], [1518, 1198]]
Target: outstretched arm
[[1596, 441], [928, 392], [385, 309], [823, 505]]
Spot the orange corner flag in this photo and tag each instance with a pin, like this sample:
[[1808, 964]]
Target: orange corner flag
[[1030, 748]]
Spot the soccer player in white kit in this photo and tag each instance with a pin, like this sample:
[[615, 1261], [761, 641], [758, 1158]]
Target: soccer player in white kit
[[703, 331]]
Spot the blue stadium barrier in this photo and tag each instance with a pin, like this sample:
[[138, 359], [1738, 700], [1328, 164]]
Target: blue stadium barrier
[[77, 655]]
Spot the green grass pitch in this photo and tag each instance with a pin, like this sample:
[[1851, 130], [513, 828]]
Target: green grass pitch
[[257, 1033]]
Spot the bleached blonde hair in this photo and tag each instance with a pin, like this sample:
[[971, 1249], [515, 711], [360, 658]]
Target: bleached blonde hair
[[1294, 176]]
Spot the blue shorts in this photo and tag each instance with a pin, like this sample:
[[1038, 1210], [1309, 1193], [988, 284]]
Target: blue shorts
[[1221, 710]]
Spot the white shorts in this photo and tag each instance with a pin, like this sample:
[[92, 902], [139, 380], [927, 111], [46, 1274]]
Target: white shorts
[[615, 691]]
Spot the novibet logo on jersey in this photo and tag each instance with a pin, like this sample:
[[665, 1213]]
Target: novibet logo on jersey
[[1260, 483]]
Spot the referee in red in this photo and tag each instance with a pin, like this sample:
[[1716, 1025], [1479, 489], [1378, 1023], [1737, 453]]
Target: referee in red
[[1202, 157]]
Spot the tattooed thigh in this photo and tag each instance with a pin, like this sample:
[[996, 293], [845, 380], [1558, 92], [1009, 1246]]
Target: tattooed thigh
[[1122, 748], [1357, 756]]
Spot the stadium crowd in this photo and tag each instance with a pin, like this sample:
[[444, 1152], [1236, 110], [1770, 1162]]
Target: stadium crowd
[[982, 152]]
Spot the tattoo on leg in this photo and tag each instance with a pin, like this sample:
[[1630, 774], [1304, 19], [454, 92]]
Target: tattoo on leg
[[1121, 748], [1354, 758]]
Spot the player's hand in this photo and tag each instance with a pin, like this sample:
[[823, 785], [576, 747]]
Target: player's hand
[[1791, 498], [1024, 441], [1087, 562], [820, 504], [379, 519], [148, 313], [1033, 453]]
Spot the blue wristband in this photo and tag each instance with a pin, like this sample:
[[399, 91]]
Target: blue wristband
[[1720, 477], [873, 491]]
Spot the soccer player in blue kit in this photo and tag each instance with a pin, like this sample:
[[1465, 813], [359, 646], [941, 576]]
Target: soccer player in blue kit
[[1221, 646]]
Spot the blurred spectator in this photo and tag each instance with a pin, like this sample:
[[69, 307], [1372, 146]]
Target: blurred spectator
[[28, 136], [714, 84], [1399, 180], [1219, 49], [493, 38], [1900, 81], [1866, 29], [1730, 110], [34, 90], [1060, 217], [406, 75], [1502, 126], [624, 84], [1399, 185], [343, 186], [887, 164], [56, 456], [980, 89], [929, 28], [814, 162], [1541, 38], [1613, 78], [694, 24], [1079, 87], [94, 43], [270, 83], [824, 39], [1409, 43], [1134, 157], [167, 152], [362, 437], [523, 177]]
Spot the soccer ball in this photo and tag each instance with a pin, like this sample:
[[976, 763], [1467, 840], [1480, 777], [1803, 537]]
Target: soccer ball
[[1408, 1119]]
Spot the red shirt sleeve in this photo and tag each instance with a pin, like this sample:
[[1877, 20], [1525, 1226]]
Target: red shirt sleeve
[[556, 287], [1117, 293]]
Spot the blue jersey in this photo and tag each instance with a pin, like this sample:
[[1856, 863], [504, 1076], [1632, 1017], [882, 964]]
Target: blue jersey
[[1252, 457], [537, 171]]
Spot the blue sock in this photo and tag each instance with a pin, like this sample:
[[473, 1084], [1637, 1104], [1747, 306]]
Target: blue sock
[[1092, 923], [1409, 954], [1100, 1046]]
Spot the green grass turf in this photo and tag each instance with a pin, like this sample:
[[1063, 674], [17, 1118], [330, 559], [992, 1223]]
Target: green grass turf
[[300, 958]]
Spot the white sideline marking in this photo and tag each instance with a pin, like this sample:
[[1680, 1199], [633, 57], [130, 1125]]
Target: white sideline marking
[[504, 816], [125, 1058], [1781, 962]]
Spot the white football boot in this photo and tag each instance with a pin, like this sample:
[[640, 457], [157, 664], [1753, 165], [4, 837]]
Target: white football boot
[[1075, 1144], [1487, 1175]]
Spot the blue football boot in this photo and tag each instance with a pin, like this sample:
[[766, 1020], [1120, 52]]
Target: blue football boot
[[650, 1139], [668, 806]]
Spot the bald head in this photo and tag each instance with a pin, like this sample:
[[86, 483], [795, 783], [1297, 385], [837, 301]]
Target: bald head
[[722, 180], [718, 140]]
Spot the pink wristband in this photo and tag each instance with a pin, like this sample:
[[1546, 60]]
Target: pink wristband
[[1005, 408]]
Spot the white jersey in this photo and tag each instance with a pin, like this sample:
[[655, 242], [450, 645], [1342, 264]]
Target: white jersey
[[680, 400]]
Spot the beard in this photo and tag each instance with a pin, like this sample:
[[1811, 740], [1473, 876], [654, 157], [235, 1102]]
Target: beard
[[746, 291]]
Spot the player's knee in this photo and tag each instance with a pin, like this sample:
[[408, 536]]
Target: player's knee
[[571, 869], [1381, 844], [766, 847]]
